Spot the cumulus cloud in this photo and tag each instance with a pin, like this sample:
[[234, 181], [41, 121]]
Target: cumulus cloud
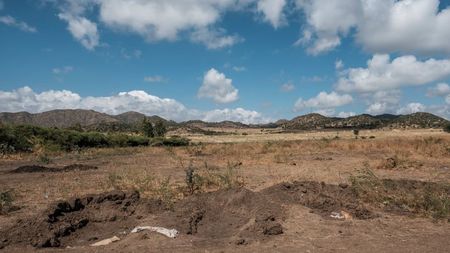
[[218, 87], [273, 11], [440, 90], [323, 101], [154, 79], [346, 114], [327, 20], [408, 26], [25, 99], [287, 87], [238, 114], [10, 21], [383, 74], [82, 29], [379, 108], [384, 101], [411, 108]]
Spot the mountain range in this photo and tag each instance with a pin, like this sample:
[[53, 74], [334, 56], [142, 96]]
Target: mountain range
[[92, 120]]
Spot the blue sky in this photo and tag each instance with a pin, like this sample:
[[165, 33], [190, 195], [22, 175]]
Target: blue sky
[[245, 60]]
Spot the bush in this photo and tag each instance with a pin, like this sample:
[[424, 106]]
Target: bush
[[147, 128], [447, 128], [160, 129], [25, 138], [6, 202], [172, 142]]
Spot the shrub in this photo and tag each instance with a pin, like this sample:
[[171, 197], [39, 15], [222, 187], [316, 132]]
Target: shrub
[[447, 128], [171, 142], [147, 128], [160, 129], [25, 138], [6, 202]]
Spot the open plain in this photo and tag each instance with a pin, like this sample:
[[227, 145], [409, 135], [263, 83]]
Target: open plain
[[384, 190]]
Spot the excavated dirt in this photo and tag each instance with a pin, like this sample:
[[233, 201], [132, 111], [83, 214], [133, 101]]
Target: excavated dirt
[[238, 215], [322, 198], [227, 214], [38, 168], [73, 221]]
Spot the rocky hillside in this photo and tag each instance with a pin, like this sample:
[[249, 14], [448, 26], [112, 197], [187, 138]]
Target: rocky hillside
[[85, 118], [129, 121], [365, 121]]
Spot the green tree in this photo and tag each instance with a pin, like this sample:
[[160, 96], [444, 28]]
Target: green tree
[[160, 129], [147, 128]]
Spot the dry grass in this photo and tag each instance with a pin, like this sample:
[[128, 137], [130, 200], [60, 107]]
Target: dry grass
[[157, 171]]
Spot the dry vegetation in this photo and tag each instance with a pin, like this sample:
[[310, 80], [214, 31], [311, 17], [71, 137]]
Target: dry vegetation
[[382, 171]]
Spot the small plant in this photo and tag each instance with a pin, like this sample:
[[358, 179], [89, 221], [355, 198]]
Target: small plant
[[44, 158], [165, 192], [356, 133], [6, 201], [230, 178]]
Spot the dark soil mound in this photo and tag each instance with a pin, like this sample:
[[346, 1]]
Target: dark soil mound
[[38, 168], [226, 214], [234, 215], [76, 220], [322, 198]]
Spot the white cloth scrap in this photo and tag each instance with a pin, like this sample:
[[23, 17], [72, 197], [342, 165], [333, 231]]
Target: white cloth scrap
[[171, 233]]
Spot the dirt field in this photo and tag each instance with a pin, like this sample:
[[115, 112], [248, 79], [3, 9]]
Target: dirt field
[[255, 190]]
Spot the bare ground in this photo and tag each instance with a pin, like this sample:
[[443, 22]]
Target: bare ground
[[291, 188]]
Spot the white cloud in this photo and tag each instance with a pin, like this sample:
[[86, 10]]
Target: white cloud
[[384, 101], [383, 74], [82, 29], [25, 99], [440, 90], [214, 39], [326, 112], [218, 87], [10, 21], [164, 20], [62, 70], [154, 79], [273, 11], [237, 114], [323, 101], [2, 5], [346, 114], [408, 26], [287, 87], [327, 20], [339, 64], [379, 108], [411, 108]]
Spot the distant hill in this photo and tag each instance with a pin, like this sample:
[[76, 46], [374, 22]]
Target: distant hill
[[365, 121], [129, 121], [57, 118], [89, 119]]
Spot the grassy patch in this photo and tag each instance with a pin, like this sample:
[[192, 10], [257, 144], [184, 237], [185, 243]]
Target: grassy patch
[[403, 196]]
